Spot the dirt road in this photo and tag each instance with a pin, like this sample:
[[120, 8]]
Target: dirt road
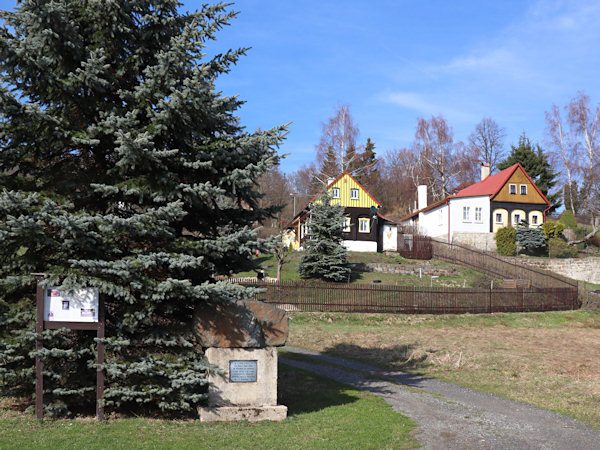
[[453, 417]]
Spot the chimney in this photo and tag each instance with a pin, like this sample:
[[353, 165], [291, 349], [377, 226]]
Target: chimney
[[485, 171], [330, 180], [422, 196]]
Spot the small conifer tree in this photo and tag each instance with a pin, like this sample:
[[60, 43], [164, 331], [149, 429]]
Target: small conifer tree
[[324, 255], [121, 168], [532, 241]]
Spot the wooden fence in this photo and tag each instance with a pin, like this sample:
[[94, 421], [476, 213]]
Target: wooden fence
[[320, 297], [414, 246], [492, 264]]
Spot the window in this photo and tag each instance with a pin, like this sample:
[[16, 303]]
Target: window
[[498, 217], [346, 225], [477, 214], [534, 219], [512, 189], [466, 213], [354, 194], [516, 219], [335, 192], [364, 225], [523, 189]]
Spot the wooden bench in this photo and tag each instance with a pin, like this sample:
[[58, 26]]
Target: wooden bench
[[514, 284]]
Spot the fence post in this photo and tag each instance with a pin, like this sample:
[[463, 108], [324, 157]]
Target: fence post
[[490, 308]]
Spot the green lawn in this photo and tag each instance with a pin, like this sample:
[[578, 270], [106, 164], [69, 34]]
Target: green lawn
[[462, 276], [321, 414]]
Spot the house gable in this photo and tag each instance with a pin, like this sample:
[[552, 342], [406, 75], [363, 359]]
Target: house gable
[[345, 184], [518, 179]]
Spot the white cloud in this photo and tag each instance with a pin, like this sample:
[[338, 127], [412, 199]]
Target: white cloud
[[416, 102]]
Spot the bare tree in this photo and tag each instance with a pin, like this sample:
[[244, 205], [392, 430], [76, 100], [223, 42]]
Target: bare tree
[[336, 150], [397, 188], [564, 154], [467, 164], [275, 188], [584, 121], [487, 140], [434, 144], [575, 145]]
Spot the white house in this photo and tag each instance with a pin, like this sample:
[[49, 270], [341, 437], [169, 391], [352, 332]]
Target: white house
[[476, 212]]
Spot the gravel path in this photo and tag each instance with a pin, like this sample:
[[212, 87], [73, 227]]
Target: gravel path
[[453, 417]]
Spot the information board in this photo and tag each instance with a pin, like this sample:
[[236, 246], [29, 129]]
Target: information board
[[79, 306], [242, 371]]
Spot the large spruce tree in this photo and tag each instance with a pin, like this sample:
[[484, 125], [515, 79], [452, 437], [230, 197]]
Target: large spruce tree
[[536, 164], [122, 168]]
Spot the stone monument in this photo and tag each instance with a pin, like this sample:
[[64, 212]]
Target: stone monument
[[241, 339]]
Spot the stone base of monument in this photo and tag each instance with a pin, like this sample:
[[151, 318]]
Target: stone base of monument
[[250, 413], [247, 387]]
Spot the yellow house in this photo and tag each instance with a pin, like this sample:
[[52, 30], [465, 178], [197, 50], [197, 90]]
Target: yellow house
[[362, 222]]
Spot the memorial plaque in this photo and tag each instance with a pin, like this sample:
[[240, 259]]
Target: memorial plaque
[[242, 371]]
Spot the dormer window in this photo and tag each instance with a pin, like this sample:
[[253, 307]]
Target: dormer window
[[512, 189], [523, 189], [335, 192], [354, 194]]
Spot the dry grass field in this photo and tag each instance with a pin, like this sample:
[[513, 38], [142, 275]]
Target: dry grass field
[[551, 360]]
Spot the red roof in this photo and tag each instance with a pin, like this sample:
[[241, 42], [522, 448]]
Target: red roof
[[491, 185]]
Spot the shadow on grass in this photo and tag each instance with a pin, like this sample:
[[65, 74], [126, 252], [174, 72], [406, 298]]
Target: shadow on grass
[[400, 357], [399, 364], [357, 270], [304, 392]]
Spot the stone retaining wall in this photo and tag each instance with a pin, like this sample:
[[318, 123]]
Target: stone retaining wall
[[405, 269], [480, 241], [582, 269]]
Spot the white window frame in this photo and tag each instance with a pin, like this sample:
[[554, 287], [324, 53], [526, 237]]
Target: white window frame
[[346, 225], [335, 192], [353, 191], [478, 214], [534, 219], [364, 225], [466, 213], [501, 220], [521, 189], [512, 189], [516, 218]]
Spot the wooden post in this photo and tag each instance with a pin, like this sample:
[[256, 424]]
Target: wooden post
[[39, 345], [100, 362]]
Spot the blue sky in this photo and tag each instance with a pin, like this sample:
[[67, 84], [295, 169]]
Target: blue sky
[[395, 61]]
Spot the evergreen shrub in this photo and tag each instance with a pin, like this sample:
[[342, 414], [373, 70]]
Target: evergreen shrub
[[532, 241], [506, 244], [568, 219], [553, 229], [558, 248], [324, 255]]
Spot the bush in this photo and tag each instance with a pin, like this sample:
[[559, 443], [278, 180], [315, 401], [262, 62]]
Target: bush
[[506, 243], [558, 248], [531, 240], [553, 229], [568, 219]]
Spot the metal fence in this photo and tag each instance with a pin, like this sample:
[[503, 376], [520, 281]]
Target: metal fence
[[321, 297], [493, 265]]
